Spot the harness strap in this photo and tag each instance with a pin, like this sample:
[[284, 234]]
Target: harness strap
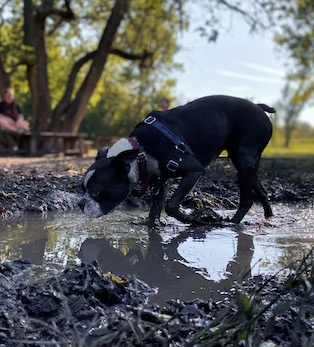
[[142, 166], [150, 120], [180, 146]]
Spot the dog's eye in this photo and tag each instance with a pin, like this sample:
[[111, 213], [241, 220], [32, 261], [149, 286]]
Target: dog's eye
[[94, 193]]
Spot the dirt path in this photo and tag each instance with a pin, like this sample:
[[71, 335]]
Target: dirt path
[[42, 162]]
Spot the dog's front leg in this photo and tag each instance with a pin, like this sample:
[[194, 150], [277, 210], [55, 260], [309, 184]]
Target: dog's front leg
[[172, 207], [158, 195]]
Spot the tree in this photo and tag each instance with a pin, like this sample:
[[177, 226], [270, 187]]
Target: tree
[[296, 38], [290, 108], [126, 97], [63, 46], [47, 22]]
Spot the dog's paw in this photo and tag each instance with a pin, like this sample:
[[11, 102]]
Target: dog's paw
[[198, 221], [155, 224], [205, 215]]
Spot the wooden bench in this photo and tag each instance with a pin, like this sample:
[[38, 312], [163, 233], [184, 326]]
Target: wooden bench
[[88, 144], [53, 142]]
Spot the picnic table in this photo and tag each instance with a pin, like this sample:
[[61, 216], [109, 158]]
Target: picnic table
[[39, 143]]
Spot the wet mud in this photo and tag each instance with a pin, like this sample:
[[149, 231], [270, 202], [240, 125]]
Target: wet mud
[[55, 185], [82, 306]]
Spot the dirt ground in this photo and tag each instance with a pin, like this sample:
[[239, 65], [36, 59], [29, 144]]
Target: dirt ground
[[50, 184], [83, 307]]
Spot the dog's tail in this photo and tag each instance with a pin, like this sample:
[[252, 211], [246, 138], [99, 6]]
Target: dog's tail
[[267, 108]]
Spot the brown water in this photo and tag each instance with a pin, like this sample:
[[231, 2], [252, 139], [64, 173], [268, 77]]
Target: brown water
[[180, 261]]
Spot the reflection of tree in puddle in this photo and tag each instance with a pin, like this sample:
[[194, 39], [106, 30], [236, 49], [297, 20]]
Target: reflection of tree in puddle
[[22, 241], [294, 252]]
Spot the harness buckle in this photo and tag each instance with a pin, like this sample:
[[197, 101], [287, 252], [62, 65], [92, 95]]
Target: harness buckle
[[141, 157], [172, 165], [149, 120], [179, 151]]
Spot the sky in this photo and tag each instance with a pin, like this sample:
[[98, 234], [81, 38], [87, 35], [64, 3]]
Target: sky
[[238, 64]]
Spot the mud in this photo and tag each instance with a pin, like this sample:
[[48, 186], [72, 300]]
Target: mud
[[55, 185], [84, 307]]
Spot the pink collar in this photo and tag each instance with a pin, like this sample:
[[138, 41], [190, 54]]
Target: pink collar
[[134, 143]]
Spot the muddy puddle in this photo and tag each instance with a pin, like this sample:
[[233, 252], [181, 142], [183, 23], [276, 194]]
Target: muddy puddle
[[179, 261]]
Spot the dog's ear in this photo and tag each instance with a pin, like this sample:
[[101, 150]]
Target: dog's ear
[[102, 153], [122, 161]]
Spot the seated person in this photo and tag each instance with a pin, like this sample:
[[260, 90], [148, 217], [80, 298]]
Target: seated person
[[12, 121], [11, 117]]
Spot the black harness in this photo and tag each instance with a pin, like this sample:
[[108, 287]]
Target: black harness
[[173, 164], [180, 147]]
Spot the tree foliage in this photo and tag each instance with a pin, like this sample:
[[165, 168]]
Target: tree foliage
[[113, 57], [296, 38], [63, 47], [130, 91]]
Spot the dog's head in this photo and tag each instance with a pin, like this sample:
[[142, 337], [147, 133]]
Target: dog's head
[[106, 183]]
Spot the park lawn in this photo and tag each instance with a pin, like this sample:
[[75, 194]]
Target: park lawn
[[299, 147]]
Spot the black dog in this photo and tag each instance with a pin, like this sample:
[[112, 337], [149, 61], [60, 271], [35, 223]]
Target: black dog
[[181, 142]]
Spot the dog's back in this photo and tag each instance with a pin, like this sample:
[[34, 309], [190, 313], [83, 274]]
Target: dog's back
[[215, 123]]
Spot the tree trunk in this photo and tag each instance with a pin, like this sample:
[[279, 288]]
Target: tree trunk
[[30, 59], [60, 110], [77, 108], [4, 77], [42, 112], [288, 131]]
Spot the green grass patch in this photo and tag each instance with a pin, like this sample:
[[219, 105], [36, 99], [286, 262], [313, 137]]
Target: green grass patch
[[299, 147]]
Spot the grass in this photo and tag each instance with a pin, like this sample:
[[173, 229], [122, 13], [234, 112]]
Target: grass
[[299, 147]]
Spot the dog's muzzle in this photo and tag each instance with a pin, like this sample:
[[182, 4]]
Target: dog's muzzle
[[90, 207]]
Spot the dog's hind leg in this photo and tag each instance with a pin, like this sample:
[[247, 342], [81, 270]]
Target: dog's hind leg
[[262, 195], [246, 163], [246, 198]]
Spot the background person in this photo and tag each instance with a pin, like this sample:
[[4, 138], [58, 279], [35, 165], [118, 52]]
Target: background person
[[164, 104], [11, 117], [12, 122]]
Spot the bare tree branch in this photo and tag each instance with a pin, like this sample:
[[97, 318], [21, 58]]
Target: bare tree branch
[[130, 56], [252, 20], [47, 9], [65, 101]]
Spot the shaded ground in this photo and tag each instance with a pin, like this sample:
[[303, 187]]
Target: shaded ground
[[31, 185], [83, 307]]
